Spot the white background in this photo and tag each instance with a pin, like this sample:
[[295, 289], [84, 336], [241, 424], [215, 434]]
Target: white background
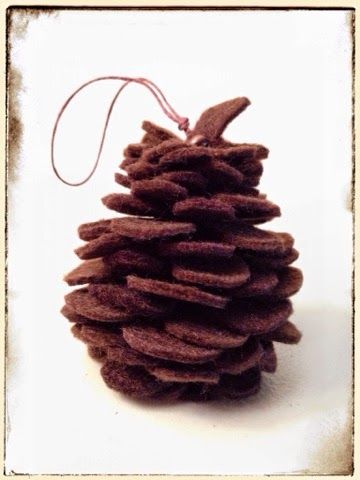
[[295, 66]]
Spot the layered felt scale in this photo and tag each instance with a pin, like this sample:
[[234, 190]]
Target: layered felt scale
[[184, 296]]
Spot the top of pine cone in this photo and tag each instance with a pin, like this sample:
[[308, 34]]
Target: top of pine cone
[[214, 120], [162, 157], [210, 126]]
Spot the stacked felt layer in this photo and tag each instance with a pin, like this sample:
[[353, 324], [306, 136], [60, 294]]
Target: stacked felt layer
[[184, 297]]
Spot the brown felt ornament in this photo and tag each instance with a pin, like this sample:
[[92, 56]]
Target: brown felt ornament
[[182, 296]]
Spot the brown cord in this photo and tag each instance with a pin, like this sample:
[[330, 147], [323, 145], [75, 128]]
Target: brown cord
[[183, 122]]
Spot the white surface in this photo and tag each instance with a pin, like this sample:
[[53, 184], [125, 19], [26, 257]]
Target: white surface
[[295, 68]]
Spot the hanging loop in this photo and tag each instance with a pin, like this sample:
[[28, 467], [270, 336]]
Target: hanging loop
[[183, 122]]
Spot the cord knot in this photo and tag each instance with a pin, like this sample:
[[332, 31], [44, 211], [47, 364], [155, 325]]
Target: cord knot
[[183, 124]]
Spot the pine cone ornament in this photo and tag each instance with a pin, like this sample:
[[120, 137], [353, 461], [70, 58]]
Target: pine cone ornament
[[184, 297]]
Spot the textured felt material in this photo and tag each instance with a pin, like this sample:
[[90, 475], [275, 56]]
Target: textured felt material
[[251, 169], [128, 356], [184, 375], [290, 282], [172, 393], [141, 170], [89, 271], [133, 302], [246, 206], [251, 181], [158, 190], [177, 291], [204, 334], [197, 392], [226, 274], [185, 157], [89, 306], [122, 179], [199, 209], [259, 283], [91, 230], [255, 318], [270, 260], [72, 316], [102, 245], [194, 182], [132, 260], [97, 353], [128, 160], [246, 237], [235, 387], [133, 381], [238, 361], [286, 333], [248, 191], [160, 133], [98, 337], [124, 203], [159, 344], [185, 295], [240, 154], [215, 119], [147, 229], [255, 220], [134, 150], [196, 249], [222, 176], [155, 154]]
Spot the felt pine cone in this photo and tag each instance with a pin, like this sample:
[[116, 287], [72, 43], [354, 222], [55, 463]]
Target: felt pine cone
[[185, 296]]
